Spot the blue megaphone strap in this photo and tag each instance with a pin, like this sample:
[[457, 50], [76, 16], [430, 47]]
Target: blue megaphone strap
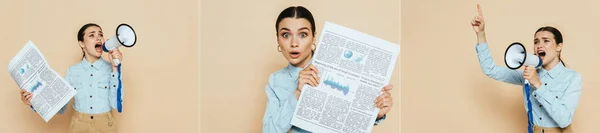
[[119, 89]]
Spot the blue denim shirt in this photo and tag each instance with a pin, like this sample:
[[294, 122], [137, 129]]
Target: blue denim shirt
[[281, 101], [96, 86], [554, 102]]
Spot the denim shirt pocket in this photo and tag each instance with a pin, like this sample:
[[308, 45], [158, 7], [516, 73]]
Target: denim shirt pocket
[[103, 85], [558, 89]]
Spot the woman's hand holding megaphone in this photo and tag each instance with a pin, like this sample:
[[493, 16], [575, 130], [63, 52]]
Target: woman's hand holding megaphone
[[115, 54], [530, 73], [478, 25]]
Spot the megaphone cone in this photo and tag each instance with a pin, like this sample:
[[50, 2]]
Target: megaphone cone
[[125, 36], [516, 56]]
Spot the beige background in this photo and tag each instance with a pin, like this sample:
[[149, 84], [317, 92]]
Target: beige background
[[444, 89], [239, 53], [160, 72]]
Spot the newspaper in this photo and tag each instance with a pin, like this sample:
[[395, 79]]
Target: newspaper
[[31, 72], [353, 68]]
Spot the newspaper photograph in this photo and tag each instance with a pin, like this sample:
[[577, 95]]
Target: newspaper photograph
[[30, 70], [353, 68]]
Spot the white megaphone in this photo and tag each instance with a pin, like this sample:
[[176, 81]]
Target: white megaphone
[[125, 36], [516, 56]]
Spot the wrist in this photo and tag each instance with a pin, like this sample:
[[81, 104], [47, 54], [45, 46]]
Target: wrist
[[297, 93], [537, 85], [481, 39], [380, 116]]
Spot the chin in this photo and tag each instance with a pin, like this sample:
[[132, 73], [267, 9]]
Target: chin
[[97, 55], [546, 62], [297, 61], [294, 61]]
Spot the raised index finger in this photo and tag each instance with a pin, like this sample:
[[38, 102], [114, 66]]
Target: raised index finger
[[479, 10]]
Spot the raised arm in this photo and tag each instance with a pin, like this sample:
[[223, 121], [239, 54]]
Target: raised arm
[[486, 61]]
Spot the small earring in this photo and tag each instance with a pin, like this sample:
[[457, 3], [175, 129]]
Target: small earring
[[278, 48]]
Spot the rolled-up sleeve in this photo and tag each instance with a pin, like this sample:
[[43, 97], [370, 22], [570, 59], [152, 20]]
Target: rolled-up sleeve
[[115, 83]]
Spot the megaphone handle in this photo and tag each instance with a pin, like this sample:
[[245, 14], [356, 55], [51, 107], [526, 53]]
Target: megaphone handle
[[527, 81], [116, 62]]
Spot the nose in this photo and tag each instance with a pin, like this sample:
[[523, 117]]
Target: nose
[[539, 46], [295, 42], [99, 39]]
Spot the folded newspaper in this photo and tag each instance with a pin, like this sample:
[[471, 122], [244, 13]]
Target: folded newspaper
[[353, 67], [31, 72]]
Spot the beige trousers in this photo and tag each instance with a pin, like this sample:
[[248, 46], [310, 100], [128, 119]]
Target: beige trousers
[[92, 123], [538, 129]]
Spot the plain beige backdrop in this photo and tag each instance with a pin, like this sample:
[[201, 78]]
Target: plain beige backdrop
[[239, 52], [160, 73], [444, 89]]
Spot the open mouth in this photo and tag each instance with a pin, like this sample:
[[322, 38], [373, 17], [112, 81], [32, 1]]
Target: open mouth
[[98, 47], [294, 54], [541, 54]]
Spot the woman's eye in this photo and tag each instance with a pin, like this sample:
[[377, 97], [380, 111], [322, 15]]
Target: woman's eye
[[285, 35], [91, 35], [303, 35], [101, 35]]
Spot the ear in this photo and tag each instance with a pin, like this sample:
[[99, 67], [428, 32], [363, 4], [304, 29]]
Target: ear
[[559, 47], [81, 44]]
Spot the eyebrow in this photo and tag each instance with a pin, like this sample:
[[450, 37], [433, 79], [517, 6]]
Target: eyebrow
[[92, 32], [304, 28], [284, 29], [542, 38]]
